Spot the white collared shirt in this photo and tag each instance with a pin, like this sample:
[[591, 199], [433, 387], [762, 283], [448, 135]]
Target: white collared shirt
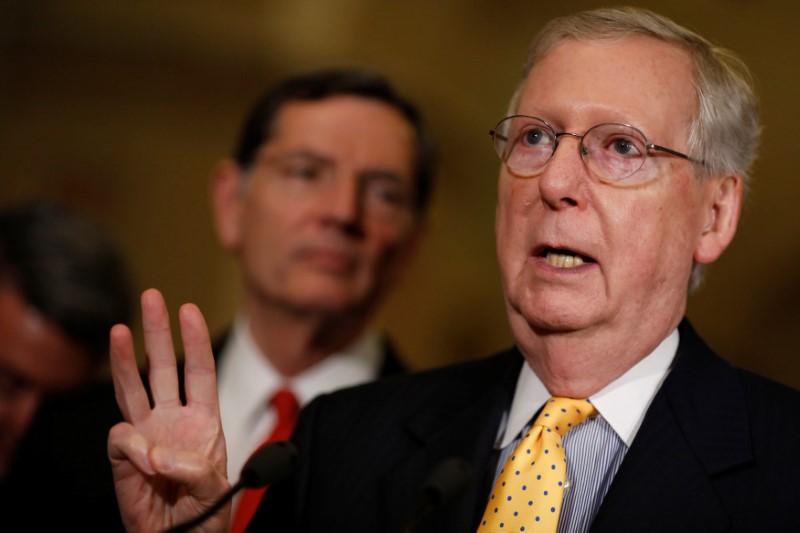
[[246, 381], [623, 403], [595, 449]]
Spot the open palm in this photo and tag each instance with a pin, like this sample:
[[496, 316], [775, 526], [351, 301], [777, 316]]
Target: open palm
[[168, 458]]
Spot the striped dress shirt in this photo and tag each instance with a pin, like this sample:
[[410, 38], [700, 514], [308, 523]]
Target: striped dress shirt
[[596, 448]]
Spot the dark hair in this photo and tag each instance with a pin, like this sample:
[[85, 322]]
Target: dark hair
[[67, 269], [321, 84]]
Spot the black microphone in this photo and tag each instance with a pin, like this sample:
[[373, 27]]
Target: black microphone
[[446, 481], [270, 463]]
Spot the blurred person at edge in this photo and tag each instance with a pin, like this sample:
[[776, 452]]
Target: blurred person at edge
[[323, 204], [62, 286]]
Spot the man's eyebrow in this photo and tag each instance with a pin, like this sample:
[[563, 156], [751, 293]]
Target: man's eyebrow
[[315, 157], [379, 173], [300, 153]]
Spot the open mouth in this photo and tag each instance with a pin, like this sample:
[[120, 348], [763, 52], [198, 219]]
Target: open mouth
[[560, 258]]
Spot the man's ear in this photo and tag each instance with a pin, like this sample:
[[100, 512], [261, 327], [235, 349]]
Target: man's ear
[[227, 202], [722, 217]]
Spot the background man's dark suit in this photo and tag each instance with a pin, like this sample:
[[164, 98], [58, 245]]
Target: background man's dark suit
[[64, 459], [698, 462]]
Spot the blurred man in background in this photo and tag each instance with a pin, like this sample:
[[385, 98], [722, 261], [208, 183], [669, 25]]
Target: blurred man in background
[[323, 205]]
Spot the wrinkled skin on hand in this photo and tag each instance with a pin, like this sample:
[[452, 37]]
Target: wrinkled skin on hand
[[168, 459]]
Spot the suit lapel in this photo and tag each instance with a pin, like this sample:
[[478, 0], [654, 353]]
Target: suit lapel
[[463, 423], [695, 428], [391, 364]]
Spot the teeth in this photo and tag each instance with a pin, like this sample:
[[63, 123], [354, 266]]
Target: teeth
[[563, 260]]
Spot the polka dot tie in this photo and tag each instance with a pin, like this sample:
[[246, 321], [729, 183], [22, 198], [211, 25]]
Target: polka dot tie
[[528, 492]]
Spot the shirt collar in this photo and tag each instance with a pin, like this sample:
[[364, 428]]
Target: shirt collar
[[256, 378], [622, 403], [246, 380]]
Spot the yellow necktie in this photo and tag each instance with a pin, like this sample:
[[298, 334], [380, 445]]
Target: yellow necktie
[[528, 492]]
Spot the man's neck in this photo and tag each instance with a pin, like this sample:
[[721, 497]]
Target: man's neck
[[294, 341], [579, 364]]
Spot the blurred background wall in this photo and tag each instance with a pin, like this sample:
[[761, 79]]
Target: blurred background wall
[[120, 110]]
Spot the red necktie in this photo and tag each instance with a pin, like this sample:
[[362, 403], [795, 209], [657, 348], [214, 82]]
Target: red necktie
[[286, 406]]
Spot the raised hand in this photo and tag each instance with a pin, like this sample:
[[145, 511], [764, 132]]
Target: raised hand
[[168, 459]]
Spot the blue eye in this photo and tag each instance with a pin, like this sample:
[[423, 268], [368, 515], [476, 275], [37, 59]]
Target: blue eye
[[534, 136], [625, 147]]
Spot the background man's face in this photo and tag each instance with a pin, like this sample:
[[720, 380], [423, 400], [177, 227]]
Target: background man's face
[[637, 237], [335, 250], [36, 359]]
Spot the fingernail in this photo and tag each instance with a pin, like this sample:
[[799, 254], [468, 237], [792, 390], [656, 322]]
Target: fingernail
[[144, 461], [163, 459]]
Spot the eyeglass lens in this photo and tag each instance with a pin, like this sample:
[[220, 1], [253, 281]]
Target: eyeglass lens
[[302, 177], [612, 151]]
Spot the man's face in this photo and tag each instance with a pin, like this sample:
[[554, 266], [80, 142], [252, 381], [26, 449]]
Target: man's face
[[36, 359], [326, 219], [638, 237]]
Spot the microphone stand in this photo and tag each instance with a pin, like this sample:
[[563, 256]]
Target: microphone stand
[[448, 480], [205, 515], [268, 464]]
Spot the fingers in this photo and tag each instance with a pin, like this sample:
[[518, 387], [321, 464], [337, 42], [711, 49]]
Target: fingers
[[199, 371], [125, 443], [128, 388], [162, 367], [200, 382], [126, 446], [193, 469]]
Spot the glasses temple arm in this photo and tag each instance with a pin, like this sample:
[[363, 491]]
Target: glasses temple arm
[[673, 152]]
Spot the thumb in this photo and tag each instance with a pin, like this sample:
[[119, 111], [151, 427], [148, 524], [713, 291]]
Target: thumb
[[202, 479]]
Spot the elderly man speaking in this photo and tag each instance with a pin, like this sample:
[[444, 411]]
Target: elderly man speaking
[[624, 159]]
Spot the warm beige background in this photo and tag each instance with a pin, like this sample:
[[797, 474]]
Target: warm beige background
[[121, 109]]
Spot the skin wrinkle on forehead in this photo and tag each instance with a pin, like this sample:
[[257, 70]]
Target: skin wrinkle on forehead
[[373, 150], [671, 63], [635, 288]]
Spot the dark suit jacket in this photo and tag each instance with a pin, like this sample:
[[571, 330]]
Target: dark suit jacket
[[717, 451], [64, 462]]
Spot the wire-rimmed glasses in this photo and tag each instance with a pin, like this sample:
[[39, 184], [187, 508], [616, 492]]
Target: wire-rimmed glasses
[[303, 175], [613, 152]]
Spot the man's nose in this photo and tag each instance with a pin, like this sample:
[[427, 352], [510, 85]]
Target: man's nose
[[563, 180], [344, 199]]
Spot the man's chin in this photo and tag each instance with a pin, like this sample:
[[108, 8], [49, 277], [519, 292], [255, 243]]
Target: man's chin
[[549, 319], [328, 304]]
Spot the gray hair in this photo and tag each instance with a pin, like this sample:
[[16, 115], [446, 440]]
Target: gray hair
[[725, 132]]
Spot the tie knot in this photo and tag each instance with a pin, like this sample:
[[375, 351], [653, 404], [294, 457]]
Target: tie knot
[[562, 414], [285, 403]]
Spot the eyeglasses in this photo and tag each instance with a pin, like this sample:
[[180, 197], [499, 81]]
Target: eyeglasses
[[303, 176], [612, 152]]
